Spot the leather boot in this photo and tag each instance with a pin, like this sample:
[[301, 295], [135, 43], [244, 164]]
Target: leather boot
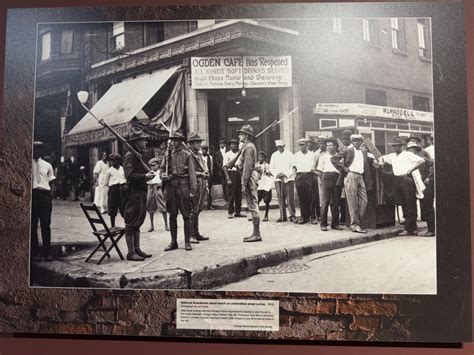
[[187, 234], [255, 237], [130, 239], [136, 243], [174, 236], [198, 235]]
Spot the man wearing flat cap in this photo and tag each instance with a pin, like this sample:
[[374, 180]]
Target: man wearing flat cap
[[355, 176], [305, 183], [281, 166], [316, 199], [250, 176], [179, 174], [404, 163], [202, 177], [115, 180], [41, 203], [135, 208]]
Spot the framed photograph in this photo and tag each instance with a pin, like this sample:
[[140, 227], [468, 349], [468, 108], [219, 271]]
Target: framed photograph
[[260, 171]]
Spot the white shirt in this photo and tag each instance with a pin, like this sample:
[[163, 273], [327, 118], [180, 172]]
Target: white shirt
[[100, 169], [228, 156], [402, 162], [325, 165], [282, 163], [115, 176], [357, 165], [431, 151], [42, 174], [207, 162], [266, 180], [223, 151], [304, 163]]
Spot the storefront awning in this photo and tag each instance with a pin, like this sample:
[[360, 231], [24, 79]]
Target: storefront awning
[[118, 107]]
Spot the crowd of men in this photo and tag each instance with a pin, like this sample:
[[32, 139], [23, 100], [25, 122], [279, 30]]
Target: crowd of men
[[325, 174]]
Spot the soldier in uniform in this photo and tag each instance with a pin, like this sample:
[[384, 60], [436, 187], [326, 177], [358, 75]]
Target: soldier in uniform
[[202, 176], [250, 176], [135, 208], [179, 176]]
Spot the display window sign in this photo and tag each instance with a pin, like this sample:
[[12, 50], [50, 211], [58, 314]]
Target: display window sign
[[238, 72]]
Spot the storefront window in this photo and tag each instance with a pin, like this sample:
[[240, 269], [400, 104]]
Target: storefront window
[[66, 41]]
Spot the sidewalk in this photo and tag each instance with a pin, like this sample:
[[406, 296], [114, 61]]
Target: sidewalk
[[221, 260]]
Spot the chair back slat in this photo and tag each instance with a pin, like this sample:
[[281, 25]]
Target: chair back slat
[[93, 220]]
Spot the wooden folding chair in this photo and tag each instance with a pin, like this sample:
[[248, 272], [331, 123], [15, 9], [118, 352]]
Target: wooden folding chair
[[103, 233]]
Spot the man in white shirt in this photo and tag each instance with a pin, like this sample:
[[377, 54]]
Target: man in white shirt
[[303, 163], [281, 166], [219, 163], [101, 189], [403, 164], [430, 149], [353, 165], [330, 192], [316, 198], [233, 181], [41, 203], [115, 180], [209, 162]]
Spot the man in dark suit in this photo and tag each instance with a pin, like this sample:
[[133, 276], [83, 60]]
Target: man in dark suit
[[210, 169], [355, 176], [218, 163]]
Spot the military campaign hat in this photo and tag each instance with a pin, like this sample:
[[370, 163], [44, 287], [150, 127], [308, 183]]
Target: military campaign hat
[[137, 133], [177, 135], [195, 137], [247, 129]]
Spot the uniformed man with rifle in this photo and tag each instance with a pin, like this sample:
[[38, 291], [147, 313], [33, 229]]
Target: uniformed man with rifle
[[179, 177], [202, 176]]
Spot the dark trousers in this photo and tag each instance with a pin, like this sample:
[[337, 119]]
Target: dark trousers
[[405, 189], [234, 192], [286, 197], [315, 199], [330, 195], [224, 188], [209, 193], [135, 210], [342, 208], [177, 200], [41, 208], [427, 209], [305, 183], [116, 202]]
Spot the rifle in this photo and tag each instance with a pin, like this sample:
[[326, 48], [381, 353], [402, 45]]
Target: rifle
[[119, 138], [232, 162]]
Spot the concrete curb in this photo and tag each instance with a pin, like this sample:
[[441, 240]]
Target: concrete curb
[[206, 278]]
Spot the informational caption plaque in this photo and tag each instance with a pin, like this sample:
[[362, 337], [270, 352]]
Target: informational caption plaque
[[221, 314]]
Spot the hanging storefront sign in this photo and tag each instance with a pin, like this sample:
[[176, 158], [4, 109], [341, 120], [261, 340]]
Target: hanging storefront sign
[[226, 72], [364, 110]]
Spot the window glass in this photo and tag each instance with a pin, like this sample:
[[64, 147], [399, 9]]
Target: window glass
[[66, 41], [46, 46]]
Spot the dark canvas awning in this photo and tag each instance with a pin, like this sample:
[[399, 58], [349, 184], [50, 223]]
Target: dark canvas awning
[[120, 106]]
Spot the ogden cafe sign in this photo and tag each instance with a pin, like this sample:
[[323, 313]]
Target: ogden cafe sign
[[226, 72], [364, 110]]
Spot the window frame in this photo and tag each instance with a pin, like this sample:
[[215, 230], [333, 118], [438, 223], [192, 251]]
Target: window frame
[[70, 46], [116, 35]]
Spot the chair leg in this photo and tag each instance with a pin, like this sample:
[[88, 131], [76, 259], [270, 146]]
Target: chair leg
[[101, 245], [115, 244]]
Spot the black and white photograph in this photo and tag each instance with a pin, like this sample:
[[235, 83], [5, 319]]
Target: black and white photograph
[[271, 155]]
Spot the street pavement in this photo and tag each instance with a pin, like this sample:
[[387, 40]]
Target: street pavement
[[222, 260], [403, 265]]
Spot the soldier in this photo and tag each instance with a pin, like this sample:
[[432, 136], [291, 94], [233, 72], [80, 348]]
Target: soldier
[[179, 176], [202, 176], [135, 208], [250, 176]]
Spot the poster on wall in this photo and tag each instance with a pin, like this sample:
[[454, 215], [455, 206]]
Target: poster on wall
[[243, 175]]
